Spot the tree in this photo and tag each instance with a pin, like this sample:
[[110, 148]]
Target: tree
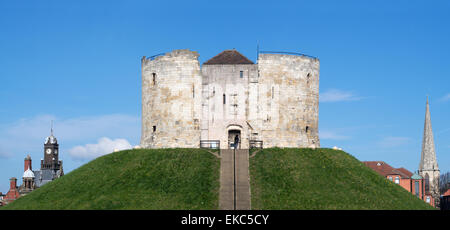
[[444, 182]]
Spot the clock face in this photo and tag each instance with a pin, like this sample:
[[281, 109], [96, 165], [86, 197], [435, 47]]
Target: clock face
[[48, 151], [56, 151]]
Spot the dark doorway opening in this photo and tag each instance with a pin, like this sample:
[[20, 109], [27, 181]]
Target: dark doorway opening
[[234, 139]]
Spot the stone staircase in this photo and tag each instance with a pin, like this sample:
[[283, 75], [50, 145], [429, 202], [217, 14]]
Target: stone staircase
[[234, 191], [242, 180], [226, 193]]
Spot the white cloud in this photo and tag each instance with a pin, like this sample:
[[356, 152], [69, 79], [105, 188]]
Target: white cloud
[[388, 142], [102, 147], [446, 97], [329, 135], [27, 135], [335, 95]]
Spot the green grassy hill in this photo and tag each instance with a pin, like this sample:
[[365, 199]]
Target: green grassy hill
[[322, 179], [134, 179], [189, 179]]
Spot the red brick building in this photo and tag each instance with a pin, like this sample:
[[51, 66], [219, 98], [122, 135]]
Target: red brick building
[[412, 182], [445, 200], [51, 169], [13, 192]]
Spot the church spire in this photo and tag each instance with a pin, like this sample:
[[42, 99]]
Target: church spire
[[428, 156]]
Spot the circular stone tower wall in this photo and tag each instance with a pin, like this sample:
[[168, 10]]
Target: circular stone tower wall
[[288, 100], [171, 100]]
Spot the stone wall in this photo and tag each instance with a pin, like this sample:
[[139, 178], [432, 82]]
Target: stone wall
[[275, 101], [171, 100], [288, 100], [224, 82], [433, 178]]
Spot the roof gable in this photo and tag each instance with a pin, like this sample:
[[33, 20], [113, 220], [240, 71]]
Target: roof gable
[[406, 172], [381, 167], [228, 57], [385, 169]]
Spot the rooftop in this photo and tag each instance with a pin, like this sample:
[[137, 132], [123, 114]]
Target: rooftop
[[405, 171], [228, 57], [385, 169], [28, 173]]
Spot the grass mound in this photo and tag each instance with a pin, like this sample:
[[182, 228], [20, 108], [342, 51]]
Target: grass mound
[[134, 179], [322, 179], [189, 179]]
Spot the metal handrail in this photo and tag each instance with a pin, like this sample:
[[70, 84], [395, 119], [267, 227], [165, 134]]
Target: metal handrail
[[283, 52], [210, 144], [256, 144], [231, 144]]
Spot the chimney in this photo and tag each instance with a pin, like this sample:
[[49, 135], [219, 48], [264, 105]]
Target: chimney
[[27, 164], [12, 183]]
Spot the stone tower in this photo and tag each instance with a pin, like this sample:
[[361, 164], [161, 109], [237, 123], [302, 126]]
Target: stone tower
[[271, 103], [51, 153], [51, 165], [171, 104], [428, 167], [289, 100]]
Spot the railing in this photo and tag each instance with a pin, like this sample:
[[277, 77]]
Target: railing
[[282, 52], [210, 144], [256, 144], [154, 56], [231, 145]]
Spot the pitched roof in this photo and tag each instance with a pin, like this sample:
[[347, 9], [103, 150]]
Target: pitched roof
[[229, 57], [405, 171], [380, 167], [44, 176], [385, 169]]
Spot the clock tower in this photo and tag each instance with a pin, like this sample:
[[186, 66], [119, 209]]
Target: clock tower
[[51, 152]]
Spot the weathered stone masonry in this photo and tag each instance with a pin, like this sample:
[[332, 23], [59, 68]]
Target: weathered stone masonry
[[171, 109], [275, 101]]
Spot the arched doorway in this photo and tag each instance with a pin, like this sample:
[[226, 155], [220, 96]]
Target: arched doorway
[[233, 136]]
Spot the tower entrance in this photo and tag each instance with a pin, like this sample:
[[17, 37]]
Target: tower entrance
[[234, 139]]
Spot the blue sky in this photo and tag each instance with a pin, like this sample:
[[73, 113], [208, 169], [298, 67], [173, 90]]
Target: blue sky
[[78, 63]]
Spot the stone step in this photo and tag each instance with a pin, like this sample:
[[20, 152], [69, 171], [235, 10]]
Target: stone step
[[242, 180], [226, 193], [234, 180]]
